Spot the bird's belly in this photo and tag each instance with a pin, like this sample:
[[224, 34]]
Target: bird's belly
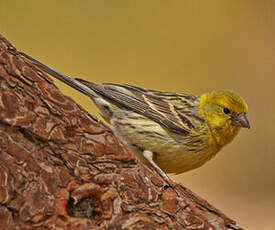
[[174, 153], [138, 130], [182, 161]]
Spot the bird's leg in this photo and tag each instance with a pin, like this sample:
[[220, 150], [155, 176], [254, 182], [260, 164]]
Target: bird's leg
[[148, 155]]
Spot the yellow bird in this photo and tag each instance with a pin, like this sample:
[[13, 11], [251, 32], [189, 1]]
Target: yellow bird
[[171, 132]]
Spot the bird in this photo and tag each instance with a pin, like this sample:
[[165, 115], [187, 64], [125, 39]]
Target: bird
[[169, 132]]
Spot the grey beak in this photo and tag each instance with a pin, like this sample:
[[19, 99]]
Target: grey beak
[[241, 121]]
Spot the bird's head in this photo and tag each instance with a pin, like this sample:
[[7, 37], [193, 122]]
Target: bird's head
[[225, 113]]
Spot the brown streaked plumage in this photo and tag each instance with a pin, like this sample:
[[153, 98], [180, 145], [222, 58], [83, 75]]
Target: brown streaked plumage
[[176, 112]]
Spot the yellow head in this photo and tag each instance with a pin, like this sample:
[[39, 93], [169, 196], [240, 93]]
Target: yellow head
[[225, 113]]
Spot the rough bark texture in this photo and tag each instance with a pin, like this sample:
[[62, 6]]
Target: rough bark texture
[[60, 168]]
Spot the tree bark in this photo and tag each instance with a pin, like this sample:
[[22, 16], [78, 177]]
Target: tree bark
[[61, 168]]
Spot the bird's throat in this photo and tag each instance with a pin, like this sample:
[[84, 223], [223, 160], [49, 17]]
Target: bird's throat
[[224, 135]]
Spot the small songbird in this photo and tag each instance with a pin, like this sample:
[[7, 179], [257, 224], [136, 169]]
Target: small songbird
[[171, 132]]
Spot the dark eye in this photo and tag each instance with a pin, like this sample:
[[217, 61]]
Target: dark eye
[[226, 110]]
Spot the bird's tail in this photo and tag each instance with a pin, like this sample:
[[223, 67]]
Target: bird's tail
[[62, 77]]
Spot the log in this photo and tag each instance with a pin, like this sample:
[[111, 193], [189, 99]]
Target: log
[[61, 168]]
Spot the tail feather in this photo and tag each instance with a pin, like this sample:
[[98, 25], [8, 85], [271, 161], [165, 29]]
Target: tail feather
[[62, 77]]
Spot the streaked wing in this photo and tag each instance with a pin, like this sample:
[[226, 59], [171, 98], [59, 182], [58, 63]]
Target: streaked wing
[[168, 109], [177, 112]]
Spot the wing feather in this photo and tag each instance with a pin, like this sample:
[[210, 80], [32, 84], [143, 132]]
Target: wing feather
[[168, 109]]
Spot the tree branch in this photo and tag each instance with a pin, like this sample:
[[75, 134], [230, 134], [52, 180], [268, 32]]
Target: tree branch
[[60, 168]]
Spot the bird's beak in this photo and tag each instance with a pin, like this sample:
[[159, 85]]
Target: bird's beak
[[240, 121]]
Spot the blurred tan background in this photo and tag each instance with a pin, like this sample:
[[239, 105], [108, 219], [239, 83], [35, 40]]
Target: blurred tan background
[[183, 46]]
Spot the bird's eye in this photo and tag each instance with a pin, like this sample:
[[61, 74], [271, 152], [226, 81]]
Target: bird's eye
[[226, 110]]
